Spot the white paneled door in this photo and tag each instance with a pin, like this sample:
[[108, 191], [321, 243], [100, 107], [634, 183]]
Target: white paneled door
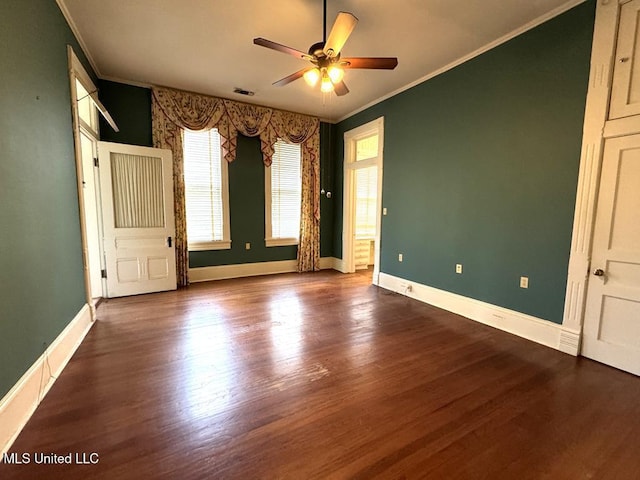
[[137, 205], [625, 90], [612, 317]]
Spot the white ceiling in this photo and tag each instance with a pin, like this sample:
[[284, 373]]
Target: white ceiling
[[207, 46]]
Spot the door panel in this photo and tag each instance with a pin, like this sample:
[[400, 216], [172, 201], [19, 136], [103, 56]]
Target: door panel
[[625, 91], [612, 317], [128, 270], [157, 267], [619, 325], [137, 198]]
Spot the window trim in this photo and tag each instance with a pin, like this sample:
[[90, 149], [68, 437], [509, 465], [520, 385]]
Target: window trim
[[225, 243], [269, 240], [280, 242]]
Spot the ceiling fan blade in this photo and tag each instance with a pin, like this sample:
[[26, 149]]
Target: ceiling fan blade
[[340, 88], [342, 28], [263, 42], [383, 63], [294, 76]]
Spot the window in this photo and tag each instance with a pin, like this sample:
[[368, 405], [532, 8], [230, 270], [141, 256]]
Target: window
[[367, 148], [206, 191], [87, 112], [366, 202], [283, 195]]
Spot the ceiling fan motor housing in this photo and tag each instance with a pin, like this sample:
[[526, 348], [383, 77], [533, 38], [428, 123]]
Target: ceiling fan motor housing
[[320, 58], [317, 49]]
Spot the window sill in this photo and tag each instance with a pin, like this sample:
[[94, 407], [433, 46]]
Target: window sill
[[280, 242], [200, 247]]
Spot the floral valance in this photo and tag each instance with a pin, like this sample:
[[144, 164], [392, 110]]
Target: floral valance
[[200, 112]]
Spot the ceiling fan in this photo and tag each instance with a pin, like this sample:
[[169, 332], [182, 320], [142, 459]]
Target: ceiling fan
[[327, 64]]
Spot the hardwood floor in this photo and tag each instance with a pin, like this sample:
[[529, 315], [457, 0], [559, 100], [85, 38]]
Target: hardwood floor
[[324, 376]]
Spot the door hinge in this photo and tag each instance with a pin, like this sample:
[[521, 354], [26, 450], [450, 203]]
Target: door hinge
[[103, 273], [96, 163]]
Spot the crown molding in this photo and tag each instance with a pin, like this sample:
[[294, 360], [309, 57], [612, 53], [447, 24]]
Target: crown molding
[[505, 38], [65, 12]]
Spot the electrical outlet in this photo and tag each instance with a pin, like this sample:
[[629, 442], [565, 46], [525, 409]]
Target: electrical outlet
[[247, 246], [458, 268], [399, 257], [405, 287], [384, 211], [524, 282]]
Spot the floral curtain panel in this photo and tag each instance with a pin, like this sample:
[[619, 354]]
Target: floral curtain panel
[[175, 110]]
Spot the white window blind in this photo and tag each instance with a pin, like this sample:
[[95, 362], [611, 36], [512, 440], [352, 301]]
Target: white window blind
[[205, 179], [367, 148], [366, 199], [284, 194]]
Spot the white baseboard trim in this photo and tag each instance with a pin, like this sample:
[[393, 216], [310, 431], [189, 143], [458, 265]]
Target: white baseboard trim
[[18, 405], [569, 341], [327, 263], [334, 263], [222, 272], [239, 270], [338, 264], [532, 328]]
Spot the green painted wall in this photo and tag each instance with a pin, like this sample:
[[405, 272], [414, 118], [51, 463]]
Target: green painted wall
[[130, 107], [481, 167], [327, 155], [41, 274]]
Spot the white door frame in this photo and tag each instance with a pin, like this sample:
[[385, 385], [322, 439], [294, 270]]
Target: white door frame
[[348, 213], [77, 72], [596, 129]]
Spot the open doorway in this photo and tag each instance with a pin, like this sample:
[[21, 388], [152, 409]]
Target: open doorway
[[363, 198]]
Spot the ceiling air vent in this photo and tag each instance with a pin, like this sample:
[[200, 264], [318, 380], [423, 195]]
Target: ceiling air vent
[[242, 91]]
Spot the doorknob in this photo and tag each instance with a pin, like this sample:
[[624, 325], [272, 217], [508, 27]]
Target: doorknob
[[598, 272]]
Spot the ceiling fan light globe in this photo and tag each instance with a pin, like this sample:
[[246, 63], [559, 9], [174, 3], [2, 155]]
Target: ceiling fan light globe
[[336, 74], [326, 86], [311, 77]]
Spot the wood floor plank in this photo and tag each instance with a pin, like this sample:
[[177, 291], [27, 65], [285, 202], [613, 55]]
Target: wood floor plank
[[302, 376]]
